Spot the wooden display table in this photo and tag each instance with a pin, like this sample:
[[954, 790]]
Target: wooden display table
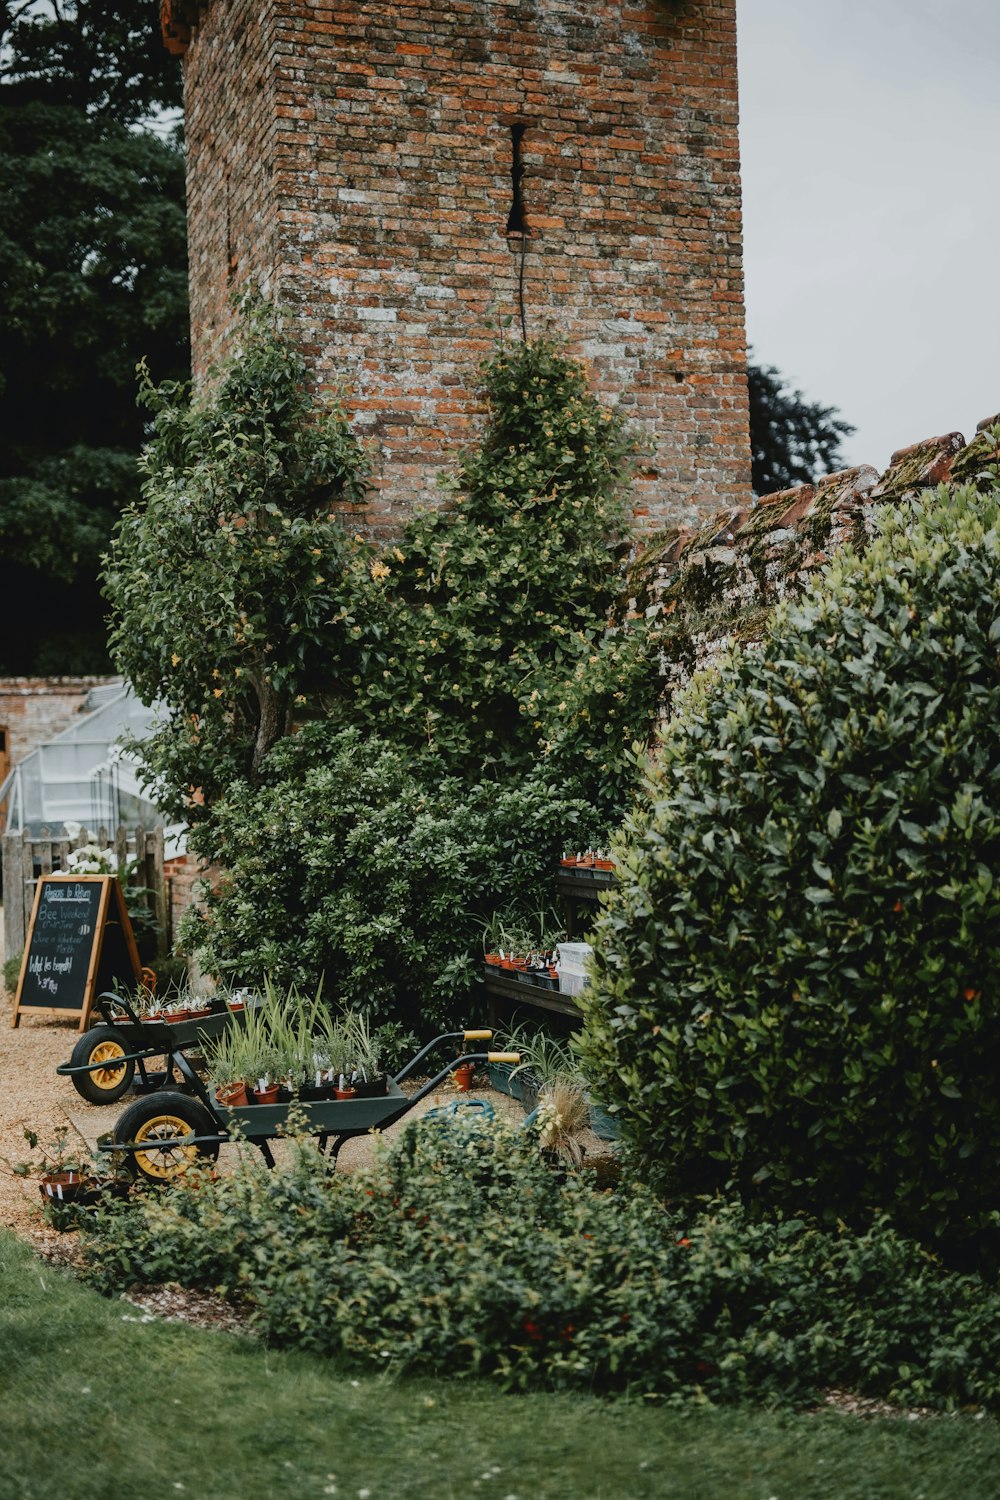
[[501, 986]]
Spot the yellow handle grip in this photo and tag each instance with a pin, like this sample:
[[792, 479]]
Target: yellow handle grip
[[478, 1036], [503, 1057]]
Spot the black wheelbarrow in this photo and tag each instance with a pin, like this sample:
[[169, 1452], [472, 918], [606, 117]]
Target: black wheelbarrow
[[104, 1062], [161, 1136]]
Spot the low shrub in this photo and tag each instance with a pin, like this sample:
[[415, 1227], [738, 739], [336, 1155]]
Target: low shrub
[[462, 1253], [796, 986]]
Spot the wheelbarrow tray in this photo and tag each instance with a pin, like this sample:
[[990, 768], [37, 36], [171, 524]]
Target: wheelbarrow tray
[[168, 1036], [320, 1117], [142, 1040]]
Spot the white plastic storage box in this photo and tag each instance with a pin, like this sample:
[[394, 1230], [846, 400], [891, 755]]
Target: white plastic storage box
[[572, 967]]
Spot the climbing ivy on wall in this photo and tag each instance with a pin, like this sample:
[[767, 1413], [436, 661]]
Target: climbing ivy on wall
[[489, 604]]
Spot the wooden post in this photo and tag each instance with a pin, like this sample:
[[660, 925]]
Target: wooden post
[[13, 896], [27, 882], [159, 884]]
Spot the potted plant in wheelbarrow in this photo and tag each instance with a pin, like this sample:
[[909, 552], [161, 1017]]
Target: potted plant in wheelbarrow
[[368, 1075], [239, 1058]]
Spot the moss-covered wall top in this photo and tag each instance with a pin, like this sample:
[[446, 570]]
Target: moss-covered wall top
[[715, 586]]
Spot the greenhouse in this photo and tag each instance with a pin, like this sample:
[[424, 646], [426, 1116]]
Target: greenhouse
[[83, 776]]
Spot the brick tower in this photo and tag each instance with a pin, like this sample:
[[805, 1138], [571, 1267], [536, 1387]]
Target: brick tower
[[401, 173]]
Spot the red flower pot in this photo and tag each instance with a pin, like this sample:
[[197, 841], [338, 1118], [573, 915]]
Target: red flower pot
[[61, 1187], [463, 1077], [232, 1095]]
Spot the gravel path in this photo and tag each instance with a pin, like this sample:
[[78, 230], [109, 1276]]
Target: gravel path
[[30, 1095]]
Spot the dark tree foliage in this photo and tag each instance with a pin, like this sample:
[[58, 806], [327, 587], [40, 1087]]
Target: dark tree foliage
[[103, 57], [792, 440], [93, 277]]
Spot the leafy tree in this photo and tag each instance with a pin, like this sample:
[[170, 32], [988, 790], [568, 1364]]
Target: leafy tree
[[93, 270], [792, 440], [103, 58], [231, 579]]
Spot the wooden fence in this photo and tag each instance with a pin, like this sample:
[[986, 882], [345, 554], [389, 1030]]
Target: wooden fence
[[27, 856]]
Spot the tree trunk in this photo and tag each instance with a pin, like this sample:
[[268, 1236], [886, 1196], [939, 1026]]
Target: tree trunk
[[273, 718]]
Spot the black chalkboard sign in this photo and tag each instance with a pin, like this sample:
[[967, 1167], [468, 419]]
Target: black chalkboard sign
[[80, 943]]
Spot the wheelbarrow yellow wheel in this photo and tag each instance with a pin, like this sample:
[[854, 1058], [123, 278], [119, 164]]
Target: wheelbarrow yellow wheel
[[158, 1130], [106, 1084]]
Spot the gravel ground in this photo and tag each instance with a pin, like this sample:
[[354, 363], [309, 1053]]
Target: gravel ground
[[33, 1096]]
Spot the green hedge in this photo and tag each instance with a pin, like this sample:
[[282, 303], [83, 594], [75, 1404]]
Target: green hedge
[[461, 1253], [796, 989]]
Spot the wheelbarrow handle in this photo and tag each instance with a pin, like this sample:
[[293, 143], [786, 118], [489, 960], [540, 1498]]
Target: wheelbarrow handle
[[503, 1057], [477, 1036], [446, 1036], [68, 1070]]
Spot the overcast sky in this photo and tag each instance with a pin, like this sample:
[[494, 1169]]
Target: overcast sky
[[870, 136]]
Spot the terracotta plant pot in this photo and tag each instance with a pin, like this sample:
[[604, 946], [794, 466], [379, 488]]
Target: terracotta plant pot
[[269, 1095], [62, 1187], [232, 1095], [345, 1093], [463, 1077]]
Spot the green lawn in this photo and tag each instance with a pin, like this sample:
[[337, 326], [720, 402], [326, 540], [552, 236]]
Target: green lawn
[[96, 1404]]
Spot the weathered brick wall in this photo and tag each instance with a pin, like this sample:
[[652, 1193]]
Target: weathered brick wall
[[356, 161], [182, 874], [33, 709], [716, 586], [230, 124]]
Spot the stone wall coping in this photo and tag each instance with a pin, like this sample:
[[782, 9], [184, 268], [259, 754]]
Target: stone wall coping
[[12, 686]]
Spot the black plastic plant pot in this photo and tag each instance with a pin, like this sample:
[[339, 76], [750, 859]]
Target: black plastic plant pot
[[376, 1088], [313, 1093]]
